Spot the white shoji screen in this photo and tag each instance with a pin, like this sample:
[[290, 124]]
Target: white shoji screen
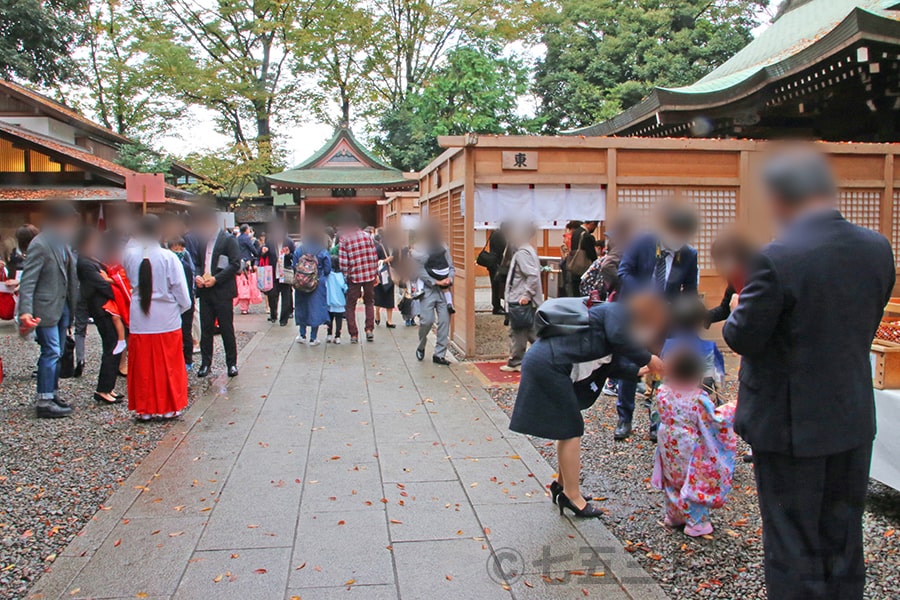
[[718, 210], [862, 207]]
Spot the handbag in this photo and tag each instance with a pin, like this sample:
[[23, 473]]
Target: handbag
[[578, 262], [486, 259], [265, 275], [521, 316], [67, 361], [405, 305]]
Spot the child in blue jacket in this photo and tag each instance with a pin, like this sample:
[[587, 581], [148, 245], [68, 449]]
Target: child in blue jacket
[[337, 300]]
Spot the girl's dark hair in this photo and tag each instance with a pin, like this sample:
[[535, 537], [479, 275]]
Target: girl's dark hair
[[685, 365], [335, 264], [24, 235], [149, 229]]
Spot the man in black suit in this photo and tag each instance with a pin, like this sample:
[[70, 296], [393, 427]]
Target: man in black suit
[[582, 239], [217, 260], [803, 324], [497, 248]]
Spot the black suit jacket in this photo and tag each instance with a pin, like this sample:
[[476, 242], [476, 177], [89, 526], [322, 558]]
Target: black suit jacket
[[806, 318], [223, 270]]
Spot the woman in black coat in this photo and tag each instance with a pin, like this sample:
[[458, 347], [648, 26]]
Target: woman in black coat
[[549, 404], [96, 290]]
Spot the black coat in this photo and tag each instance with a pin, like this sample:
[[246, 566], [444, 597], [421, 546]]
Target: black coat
[[94, 289], [225, 265], [720, 312], [807, 315], [582, 239]]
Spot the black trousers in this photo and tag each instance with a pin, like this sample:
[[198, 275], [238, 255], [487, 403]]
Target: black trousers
[[187, 338], [285, 291], [812, 511], [109, 362], [223, 311], [497, 288]]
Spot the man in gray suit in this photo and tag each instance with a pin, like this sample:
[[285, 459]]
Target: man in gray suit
[[48, 294]]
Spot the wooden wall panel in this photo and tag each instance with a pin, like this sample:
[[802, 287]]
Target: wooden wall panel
[[857, 167], [665, 163]]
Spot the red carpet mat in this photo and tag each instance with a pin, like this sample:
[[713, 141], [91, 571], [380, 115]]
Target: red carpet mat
[[492, 375]]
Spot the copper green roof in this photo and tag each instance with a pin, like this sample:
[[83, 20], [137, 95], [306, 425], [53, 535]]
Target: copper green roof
[[342, 162], [800, 35]]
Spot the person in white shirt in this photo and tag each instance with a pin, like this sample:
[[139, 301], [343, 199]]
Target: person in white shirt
[[157, 379]]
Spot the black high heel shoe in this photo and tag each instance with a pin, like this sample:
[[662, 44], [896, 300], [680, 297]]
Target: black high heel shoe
[[102, 400], [588, 511], [556, 489]]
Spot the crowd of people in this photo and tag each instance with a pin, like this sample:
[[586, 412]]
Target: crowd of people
[[805, 403], [159, 288]]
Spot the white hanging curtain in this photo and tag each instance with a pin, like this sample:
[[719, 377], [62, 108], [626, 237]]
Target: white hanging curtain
[[547, 206]]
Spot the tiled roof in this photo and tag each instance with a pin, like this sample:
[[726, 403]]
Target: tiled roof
[[338, 177], [61, 111], [343, 133], [76, 155], [807, 30], [61, 192]]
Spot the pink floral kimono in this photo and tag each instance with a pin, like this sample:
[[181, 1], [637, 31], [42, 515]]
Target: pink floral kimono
[[694, 457]]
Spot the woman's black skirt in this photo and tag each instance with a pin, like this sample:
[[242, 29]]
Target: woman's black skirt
[[546, 405]]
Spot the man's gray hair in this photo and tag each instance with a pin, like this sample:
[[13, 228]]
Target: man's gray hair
[[797, 176]]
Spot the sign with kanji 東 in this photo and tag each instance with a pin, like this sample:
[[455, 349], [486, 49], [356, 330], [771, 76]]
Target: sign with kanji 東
[[520, 161]]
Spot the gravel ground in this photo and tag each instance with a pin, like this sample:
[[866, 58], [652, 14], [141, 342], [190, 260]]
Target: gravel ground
[[729, 564], [55, 474]]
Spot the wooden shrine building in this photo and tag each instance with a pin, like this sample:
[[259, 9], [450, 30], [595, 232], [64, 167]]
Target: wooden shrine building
[[342, 172], [823, 70], [49, 151]]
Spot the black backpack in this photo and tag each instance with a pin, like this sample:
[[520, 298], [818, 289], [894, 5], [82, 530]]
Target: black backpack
[[561, 316]]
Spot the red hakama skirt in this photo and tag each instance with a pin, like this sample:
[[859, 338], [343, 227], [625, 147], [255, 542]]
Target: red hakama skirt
[[157, 378]]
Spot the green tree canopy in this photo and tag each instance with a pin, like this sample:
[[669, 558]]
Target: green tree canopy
[[604, 56], [37, 38], [474, 90]]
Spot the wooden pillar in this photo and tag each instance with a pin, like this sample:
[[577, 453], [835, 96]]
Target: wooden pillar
[[612, 186], [469, 267], [887, 199]]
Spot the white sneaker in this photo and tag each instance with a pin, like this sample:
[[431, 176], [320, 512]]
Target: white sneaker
[[329, 338], [337, 340], [509, 369], [300, 339], [315, 342]]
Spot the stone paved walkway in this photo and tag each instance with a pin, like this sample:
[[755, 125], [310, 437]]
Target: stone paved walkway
[[342, 470]]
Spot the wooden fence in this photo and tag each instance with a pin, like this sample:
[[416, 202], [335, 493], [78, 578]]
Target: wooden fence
[[719, 176]]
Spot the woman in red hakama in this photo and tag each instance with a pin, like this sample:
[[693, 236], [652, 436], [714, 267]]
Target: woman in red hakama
[[157, 378]]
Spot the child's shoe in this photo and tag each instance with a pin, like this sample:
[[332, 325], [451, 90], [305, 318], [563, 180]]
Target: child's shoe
[[337, 340], [120, 347], [699, 530], [450, 309], [329, 338], [672, 524]]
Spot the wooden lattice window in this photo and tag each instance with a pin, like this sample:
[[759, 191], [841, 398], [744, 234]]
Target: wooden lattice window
[[641, 200], [718, 210], [862, 207], [457, 237]]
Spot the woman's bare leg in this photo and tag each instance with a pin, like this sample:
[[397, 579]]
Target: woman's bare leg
[[568, 453]]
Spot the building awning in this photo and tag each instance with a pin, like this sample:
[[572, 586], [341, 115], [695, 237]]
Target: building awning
[[337, 177], [797, 39]]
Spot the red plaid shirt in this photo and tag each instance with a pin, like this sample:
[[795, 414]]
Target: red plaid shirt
[[359, 259]]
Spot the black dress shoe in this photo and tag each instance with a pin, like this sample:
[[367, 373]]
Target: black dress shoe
[[52, 410], [232, 371], [498, 311], [79, 369], [204, 371], [390, 325], [99, 398], [440, 360], [653, 436], [623, 430], [118, 395], [283, 323], [420, 355]]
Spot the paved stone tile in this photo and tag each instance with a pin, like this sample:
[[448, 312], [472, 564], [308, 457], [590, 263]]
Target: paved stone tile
[[432, 510], [565, 586], [368, 592], [338, 548], [55, 582], [142, 556], [498, 481], [447, 569], [406, 427], [414, 461], [343, 486], [239, 575]]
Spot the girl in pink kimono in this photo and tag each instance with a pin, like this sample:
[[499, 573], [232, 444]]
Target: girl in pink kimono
[[695, 453]]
